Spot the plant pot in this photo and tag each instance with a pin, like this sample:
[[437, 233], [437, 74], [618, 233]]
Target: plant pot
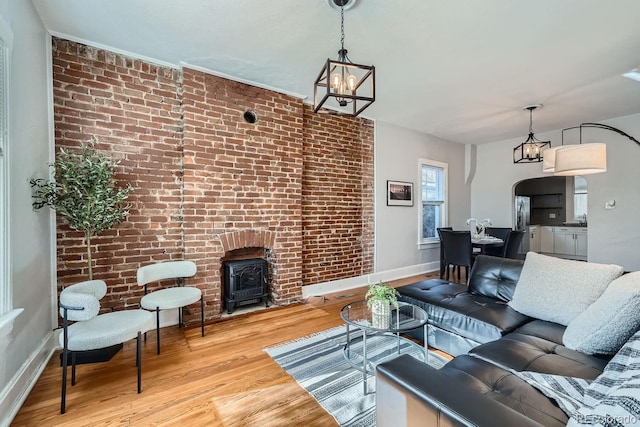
[[381, 314]]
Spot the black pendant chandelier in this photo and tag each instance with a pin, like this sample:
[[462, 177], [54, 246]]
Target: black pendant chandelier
[[531, 150], [343, 87]]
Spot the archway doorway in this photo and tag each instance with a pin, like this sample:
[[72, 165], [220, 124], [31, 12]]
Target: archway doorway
[[553, 212]]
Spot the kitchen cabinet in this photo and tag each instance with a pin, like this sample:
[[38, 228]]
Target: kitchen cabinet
[[581, 243], [547, 239], [564, 241], [534, 238], [570, 242]]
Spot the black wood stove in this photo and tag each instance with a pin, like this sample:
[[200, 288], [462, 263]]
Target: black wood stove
[[245, 282]]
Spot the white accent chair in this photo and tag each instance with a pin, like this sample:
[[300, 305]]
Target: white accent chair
[[80, 303], [169, 298]]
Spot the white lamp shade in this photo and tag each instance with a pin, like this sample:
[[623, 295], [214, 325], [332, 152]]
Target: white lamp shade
[[549, 159], [580, 159]]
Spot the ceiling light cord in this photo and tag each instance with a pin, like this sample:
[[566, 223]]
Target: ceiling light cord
[[342, 27], [531, 120]]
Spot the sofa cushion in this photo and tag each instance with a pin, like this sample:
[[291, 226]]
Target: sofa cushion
[[542, 329], [528, 353], [453, 308], [495, 277], [608, 323], [558, 290], [506, 388]]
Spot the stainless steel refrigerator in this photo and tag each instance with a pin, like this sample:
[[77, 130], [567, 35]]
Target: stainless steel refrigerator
[[522, 222]]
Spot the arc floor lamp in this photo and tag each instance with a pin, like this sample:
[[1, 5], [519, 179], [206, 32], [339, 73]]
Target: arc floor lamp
[[580, 159]]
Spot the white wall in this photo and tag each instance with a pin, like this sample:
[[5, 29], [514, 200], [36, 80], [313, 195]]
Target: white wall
[[397, 151], [30, 233], [613, 234]]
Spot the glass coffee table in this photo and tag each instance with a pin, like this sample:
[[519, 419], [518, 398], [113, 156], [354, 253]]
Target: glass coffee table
[[386, 331]]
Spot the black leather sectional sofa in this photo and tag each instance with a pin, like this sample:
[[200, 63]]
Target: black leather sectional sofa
[[489, 340]]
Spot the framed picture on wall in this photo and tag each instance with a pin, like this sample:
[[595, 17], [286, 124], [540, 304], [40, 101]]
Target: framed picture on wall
[[399, 193]]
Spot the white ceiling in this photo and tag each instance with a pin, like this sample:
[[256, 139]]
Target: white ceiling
[[458, 69]]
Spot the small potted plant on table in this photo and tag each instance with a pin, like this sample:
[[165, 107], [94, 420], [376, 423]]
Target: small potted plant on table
[[380, 297]]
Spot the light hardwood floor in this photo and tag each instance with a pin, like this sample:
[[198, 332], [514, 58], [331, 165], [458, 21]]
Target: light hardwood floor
[[223, 379]]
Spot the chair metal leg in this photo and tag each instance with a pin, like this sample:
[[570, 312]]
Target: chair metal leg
[[202, 314], [73, 368], [139, 361], [158, 329], [180, 315], [65, 355], [64, 381]]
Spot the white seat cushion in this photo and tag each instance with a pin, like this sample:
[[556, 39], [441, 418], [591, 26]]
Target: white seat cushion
[[170, 298], [107, 329]]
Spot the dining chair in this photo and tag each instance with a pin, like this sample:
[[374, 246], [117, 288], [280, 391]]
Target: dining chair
[[513, 244], [80, 303], [458, 251], [442, 249], [168, 298], [501, 233]]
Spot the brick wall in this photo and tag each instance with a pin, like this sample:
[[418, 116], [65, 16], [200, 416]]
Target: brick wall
[[337, 203], [207, 182], [242, 177], [134, 110]]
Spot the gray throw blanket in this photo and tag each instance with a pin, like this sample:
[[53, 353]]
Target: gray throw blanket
[[612, 399]]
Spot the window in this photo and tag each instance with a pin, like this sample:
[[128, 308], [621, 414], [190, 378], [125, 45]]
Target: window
[[579, 198], [433, 177]]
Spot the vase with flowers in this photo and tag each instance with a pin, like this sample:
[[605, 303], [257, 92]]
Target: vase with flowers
[[478, 227]]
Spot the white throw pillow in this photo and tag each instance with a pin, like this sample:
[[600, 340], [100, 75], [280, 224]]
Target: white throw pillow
[[608, 323], [558, 290]]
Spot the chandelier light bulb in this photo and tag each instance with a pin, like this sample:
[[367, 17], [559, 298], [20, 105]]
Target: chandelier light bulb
[[343, 88], [336, 80], [351, 82]]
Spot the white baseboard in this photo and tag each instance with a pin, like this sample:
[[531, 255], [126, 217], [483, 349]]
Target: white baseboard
[[359, 281], [16, 391]]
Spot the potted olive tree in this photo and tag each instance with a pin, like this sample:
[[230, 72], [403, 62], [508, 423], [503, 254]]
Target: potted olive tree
[[380, 297], [84, 192]]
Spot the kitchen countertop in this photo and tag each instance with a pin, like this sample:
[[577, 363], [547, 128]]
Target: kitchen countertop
[[571, 224]]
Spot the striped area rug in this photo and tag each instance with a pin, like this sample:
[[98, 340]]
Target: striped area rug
[[318, 364]]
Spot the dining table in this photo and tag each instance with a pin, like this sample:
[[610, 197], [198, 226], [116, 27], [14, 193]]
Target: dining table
[[486, 241]]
